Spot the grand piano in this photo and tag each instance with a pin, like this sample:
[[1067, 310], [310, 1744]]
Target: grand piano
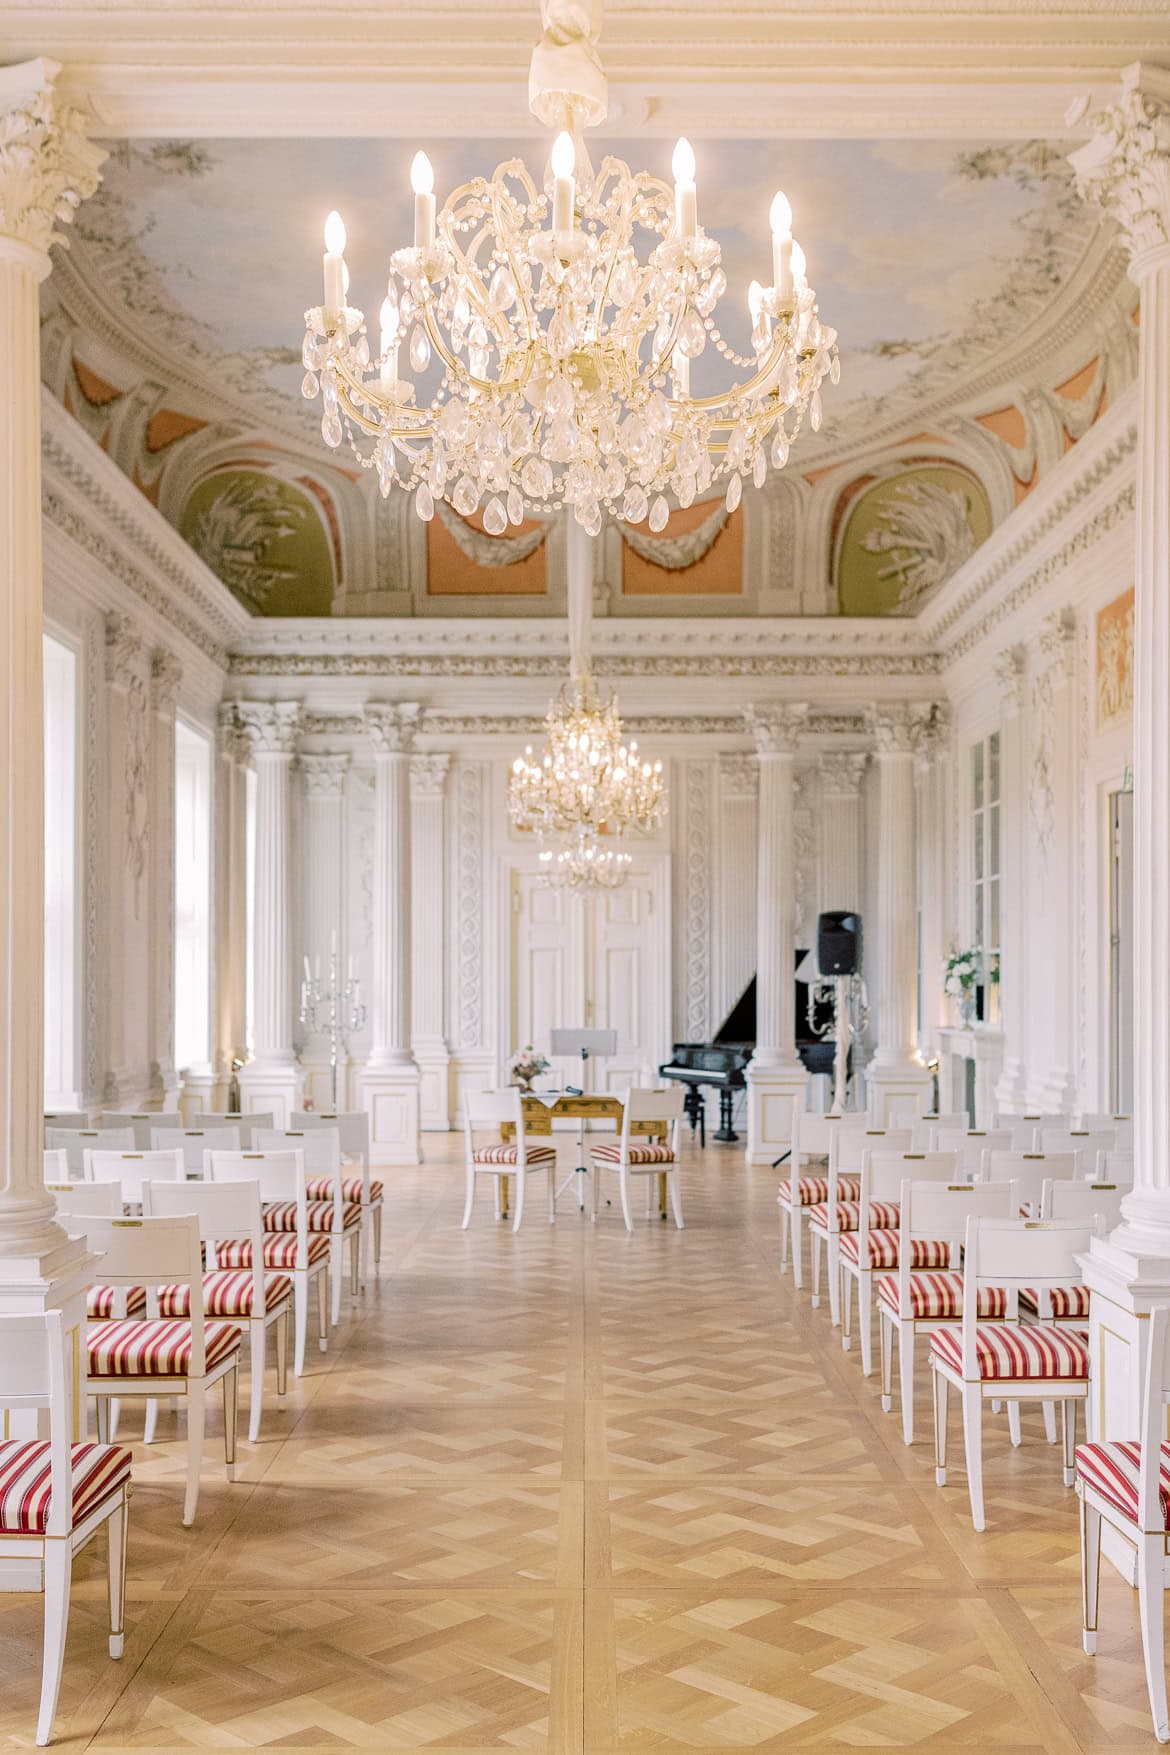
[[721, 1063]]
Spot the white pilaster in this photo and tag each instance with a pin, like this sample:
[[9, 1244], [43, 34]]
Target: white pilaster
[[323, 780], [896, 1071], [1054, 806], [47, 167], [776, 1075], [734, 925], [165, 675], [839, 882], [1125, 168], [1011, 670], [388, 1084], [931, 766], [272, 1079], [428, 791], [231, 896]]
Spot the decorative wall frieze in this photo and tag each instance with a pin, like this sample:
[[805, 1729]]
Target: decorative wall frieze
[[894, 727], [739, 775], [1041, 788], [123, 649], [932, 736], [777, 729], [333, 724], [613, 666], [48, 165], [1057, 642], [1011, 674], [428, 774], [697, 901], [272, 727], [231, 739], [391, 728], [1124, 167], [324, 775], [166, 674], [469, 949], [842, 772]]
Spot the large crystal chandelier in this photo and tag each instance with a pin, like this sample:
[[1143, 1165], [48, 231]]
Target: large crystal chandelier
[[549, 330]]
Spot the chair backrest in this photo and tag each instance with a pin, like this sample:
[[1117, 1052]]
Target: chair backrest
[[1114, 1166], [193, 1142], [153, 1252], [1120, 1126], [1015, 1253], [140, 1122], [1024, 1127], [1151, 1516], [642, 1104], [131, 1169], [883, 1173], [352, 1124], [1074, 1139], [73, 1119], [281, 1176], [223, 1118], [970, 1145], [1029, 1170], [940, 1210], [56, 1164], [320, 1145], [224, 1211], [812, 1134], [848, 1149], [491, 1109], [1078, 1199], [75, 1142], [74, 1198], [34, 1375]]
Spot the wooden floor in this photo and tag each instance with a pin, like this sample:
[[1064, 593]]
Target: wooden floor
[[579, 1491]]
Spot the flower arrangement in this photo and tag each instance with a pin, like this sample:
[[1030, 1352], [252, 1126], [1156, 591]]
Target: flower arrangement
[[525, 1065], [961, 972]]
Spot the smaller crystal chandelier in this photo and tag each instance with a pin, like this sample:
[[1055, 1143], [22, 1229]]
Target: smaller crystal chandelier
[[585, 865]]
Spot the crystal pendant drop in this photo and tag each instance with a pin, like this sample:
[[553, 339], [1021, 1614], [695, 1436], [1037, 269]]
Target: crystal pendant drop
[[659, 513], [331, 428], [692, 337], [424, 502], [495, 519], [420, 349], [515, 506], [465, 498], [309, 386], [780, 449], [760, 468], [814, 412], [835, 369], [734, 493], [310, 354], [634, 504]]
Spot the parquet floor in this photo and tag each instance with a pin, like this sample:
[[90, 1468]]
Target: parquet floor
[[582, 1492]]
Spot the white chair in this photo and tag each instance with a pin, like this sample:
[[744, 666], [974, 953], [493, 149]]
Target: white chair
[[1024, 1127], [1114, 1167], [160, 1356], [55, 1495], [140, 1122], [876, 1249], [193, 1142], [74, 1120], [56, 1165], [1074, 1139], [353, 1126], [224, 1118], [302, 1254], [911, 1300], [230, 1210], [80, 1200], [132, 1169], [1029, 1171], [1010, 1361], [1126, 1483], [837, 1214], [970, 1146], [75, 1142], [1120, 1126], [1078, 1199], [807, 1183], [502, 1159], [325, 1189], [630, 1154]]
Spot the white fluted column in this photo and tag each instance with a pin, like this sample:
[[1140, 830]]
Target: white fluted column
[[231, 897], [428, 793], [776, 1075], [734, 924], [931, 761], [389, 1082], [272, 1078], [896, 1071], [125, 985], [1012, 675], [839, 879], [166, 673], [323, 874], [1125, 168], [1055, 876]]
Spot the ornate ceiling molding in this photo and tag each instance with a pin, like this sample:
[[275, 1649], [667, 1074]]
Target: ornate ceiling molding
[[48, 166]]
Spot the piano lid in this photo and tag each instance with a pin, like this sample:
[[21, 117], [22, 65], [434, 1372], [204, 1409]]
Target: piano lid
[[739, 1026]]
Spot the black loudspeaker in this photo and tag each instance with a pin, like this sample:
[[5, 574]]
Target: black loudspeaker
[[839, 943]]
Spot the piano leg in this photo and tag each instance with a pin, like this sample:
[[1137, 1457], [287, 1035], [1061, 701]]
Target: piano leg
[[726, 1132], [695, 1111]]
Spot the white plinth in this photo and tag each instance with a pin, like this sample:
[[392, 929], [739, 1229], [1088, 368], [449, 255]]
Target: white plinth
[[271, 1087], [391, 1095], [773, 1093]]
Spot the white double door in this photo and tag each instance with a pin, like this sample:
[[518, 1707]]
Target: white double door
[[594, 960]]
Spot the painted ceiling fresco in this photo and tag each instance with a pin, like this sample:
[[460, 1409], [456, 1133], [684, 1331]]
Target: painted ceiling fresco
[[927, 257]]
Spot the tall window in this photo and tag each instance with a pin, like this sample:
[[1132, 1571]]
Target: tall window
[[249, 907], [192, 897], [61, 907], [985, 827]]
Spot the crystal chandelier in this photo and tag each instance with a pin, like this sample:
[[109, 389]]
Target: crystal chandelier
[[550, 329], [584, 864]]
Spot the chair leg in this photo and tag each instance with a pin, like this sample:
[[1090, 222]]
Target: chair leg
[[1050, 1421], [102, 1421], [150, 1420], [939, 1388], [58, 1578], [674, 1180], [1090, 1574], [195, 1424], [886, 1358], [833, 1261], [281, 1326], [1068, 1435], [355, 1268], [521, 1186], [301, 1319], [595, 1180], [865, 1321], [1014, 1430], [117, 1525], [785, 1232], [115, 1411], [796, 1241], [624, 1185], [323, 1307], [844, 1280], [906, 1378], [377, 1238], [336, 1276], [366, 1250], [973, 1450], [469, 1198], [259, 1349], [231, 1406], [817, 1238], [1151, 1607], [552, 1195]]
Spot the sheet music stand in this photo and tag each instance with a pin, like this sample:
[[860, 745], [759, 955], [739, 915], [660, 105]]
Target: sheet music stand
[[585, 1043]]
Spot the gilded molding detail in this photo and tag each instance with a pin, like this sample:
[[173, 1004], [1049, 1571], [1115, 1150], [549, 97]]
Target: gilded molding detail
[[272, 727], [777, 728], [48, 166], [391, 729], [1124, 167]]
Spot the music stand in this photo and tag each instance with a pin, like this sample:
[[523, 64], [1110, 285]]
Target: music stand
[[584, 1043]]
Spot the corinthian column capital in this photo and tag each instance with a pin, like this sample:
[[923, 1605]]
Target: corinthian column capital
[[272, 727], [48, 166], [392, 727], [896, 726], [1124, 166], [777, 728]]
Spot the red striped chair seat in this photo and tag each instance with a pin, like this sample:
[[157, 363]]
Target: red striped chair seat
[[321, 1188], [1113, 1470], [99, 1301], [281, 1215], [814, 1190], [883, 1215], [1062, 1300], [507, 1154], [155, 1348], [280, 1251], [925, 1252], [941, 1295], [1010, 1350], [26, 1480], [229, 1292], [610, 1152]]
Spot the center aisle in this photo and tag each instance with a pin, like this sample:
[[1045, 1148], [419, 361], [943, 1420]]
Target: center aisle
[[582, 1491]]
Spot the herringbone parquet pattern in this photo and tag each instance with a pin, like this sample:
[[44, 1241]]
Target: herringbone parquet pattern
[[583, 1492]]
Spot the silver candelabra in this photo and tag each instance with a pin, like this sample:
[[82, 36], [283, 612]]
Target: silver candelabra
[[332, 1008], [849, 1018]]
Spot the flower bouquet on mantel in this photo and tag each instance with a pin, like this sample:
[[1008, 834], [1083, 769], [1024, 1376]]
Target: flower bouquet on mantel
[[525, 1065], [960, 974]]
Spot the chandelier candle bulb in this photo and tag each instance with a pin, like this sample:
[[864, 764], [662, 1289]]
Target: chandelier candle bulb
[[389, 368], [780, 217], [334, 264], [564, 160], [686, 199], [422, 181]]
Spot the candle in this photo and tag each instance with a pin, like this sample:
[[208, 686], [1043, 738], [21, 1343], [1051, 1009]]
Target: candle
[[422, 181], [781, 218], [389, 367], [686, 202], [681, 367], [308, 971], [333, 942], [564, 159], [350, 968], [334, 264]]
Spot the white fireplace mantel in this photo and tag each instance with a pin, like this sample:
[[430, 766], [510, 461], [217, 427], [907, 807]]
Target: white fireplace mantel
[[959, 1044]]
